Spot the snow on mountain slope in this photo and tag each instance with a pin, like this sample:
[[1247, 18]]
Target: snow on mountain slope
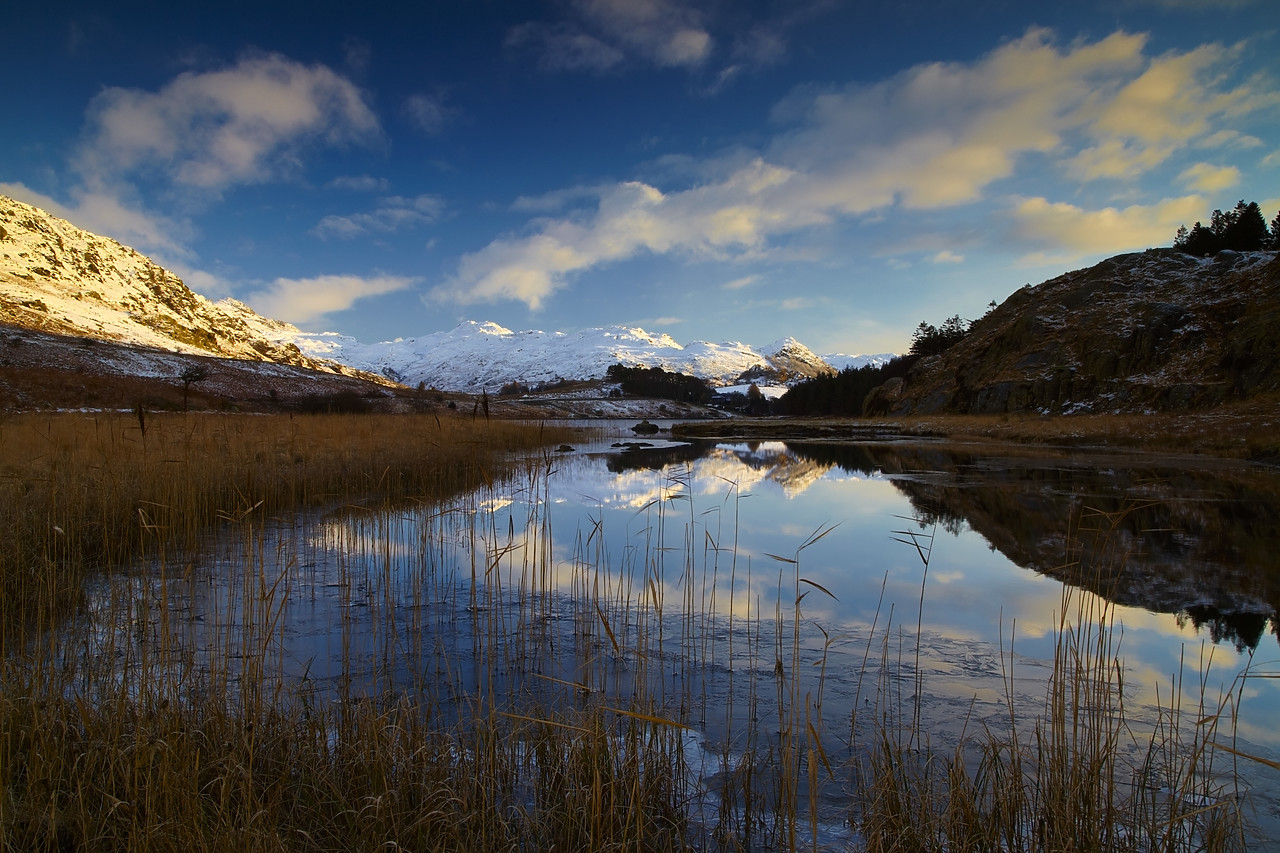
[[58, 278]]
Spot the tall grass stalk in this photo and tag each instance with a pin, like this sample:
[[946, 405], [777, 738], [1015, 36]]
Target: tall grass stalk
[[488, 688]]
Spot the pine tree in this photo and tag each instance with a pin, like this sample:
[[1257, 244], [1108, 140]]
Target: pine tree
[[1275, 233], [1246, 230]]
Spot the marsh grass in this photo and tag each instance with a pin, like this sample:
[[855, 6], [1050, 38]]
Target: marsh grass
[[492, 694], [1082, 771], [83, 492]]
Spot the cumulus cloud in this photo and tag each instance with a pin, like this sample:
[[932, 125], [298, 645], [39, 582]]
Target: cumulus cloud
[[392, 214], [1066, 231], [210, 130], [1207, 178], [934, 136], [303, 300]]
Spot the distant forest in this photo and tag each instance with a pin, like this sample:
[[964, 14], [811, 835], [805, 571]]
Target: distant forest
[[659, 384]]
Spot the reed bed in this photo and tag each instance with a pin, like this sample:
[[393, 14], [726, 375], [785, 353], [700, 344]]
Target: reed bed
[[81, 492], [485, 688]]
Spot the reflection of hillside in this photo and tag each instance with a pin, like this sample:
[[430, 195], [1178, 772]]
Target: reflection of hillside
[[1191, 541]]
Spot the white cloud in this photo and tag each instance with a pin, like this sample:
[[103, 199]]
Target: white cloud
[[1061, 231], [946, 256], [1178, 99], [392, 214], [1207, 178], [302, 300], [934, 136], [209, 130]]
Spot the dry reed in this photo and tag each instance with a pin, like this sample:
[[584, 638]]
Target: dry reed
[[501, 700]]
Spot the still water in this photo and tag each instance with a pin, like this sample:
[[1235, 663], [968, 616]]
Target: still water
[[734, 587]]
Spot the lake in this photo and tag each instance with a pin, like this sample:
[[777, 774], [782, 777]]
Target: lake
[[747, 590]]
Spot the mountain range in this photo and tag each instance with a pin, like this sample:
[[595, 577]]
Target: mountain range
[[57, 278]]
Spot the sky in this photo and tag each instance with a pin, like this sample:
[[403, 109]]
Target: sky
[[726, 170]]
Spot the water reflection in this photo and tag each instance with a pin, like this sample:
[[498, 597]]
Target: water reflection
[[706, 577]]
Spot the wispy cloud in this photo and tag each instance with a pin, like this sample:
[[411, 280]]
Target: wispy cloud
[[946, 256], [601, 34], [304, 300], [740, 283], [359, 183], [392, 214], [427, 113], [1207, 178], [1062, 231], [563, 47]]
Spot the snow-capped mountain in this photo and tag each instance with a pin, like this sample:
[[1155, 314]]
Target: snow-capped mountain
[[475, 356], [59, 278]]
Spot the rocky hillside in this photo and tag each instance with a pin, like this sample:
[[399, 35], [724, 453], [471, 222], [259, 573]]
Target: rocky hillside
[[55, 277], [1150, 331]]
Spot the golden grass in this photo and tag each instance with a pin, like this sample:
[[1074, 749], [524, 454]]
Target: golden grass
[[80, 492]]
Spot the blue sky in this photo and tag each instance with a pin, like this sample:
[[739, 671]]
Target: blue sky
[[833, 171]]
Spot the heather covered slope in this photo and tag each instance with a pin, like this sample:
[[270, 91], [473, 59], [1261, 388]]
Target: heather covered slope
[[1152, 331]]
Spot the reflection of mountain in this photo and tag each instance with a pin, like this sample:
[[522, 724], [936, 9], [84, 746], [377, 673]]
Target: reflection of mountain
[[743, 465], [1195, 541]]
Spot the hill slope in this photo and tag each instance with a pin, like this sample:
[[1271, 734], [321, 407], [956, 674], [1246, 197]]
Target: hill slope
[[55, 277], [1151, 331]]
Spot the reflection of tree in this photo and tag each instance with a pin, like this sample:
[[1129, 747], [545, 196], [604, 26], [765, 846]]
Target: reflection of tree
[[1244, 629]]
